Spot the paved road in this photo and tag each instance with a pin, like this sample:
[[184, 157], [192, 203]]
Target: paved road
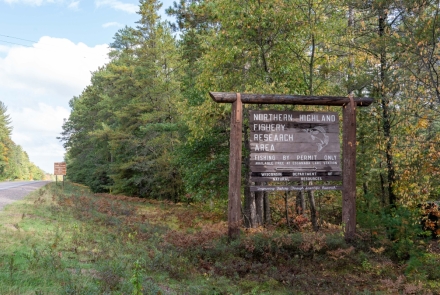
[[16, 190]]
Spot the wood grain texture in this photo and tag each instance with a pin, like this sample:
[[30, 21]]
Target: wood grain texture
[[276, 116], [291, 137], [294, 188], [290, 148], [234, 195], [291, 127], [349, 176], [301, 156], [292, 178], [302, 173], [230, 97], [314, 169]]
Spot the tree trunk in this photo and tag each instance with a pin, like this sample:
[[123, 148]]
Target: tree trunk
[[386, 116], [267, 217], [250, 211], [259, 204], [313, 215], [300, 201], [286, 208], [382, 189]]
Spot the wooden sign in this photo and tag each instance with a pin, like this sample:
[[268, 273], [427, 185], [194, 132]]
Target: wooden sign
[[302, 178], [291, 127], [283, 123], [295, 176], [60, 168], [283, 141], [294, 166], [294, 188], [286, 148], [281, 117], [303, 156]]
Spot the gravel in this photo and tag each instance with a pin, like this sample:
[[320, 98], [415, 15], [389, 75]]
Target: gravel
[[14, 191]]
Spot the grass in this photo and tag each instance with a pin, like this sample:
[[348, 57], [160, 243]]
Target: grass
[[74, 242]]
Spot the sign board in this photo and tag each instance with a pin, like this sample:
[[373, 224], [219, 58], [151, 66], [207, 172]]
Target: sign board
[[60, 168], [294, 146], [281, 123], [294, 188], [295, 176]]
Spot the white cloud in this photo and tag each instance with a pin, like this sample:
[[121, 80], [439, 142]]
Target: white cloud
[[36, 129], [112, 24], [51, 66], [118, 5], [4, 49], [74, 5], [44, 119], [36, 84], [32, 2]]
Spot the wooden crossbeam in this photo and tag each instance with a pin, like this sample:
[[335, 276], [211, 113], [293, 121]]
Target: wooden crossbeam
[[250, 98]]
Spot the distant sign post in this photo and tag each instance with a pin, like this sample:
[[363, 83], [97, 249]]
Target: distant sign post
[[271, 145], [60, 169]]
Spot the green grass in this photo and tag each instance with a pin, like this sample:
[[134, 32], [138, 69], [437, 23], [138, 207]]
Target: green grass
[[73, 242]]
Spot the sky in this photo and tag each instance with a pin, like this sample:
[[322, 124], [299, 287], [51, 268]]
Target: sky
[[48, 50]]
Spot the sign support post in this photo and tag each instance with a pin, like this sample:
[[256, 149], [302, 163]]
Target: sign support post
[[234, 201], [59, 169], [349, 166]]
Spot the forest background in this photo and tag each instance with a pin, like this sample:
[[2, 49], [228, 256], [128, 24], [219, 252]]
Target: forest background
[[14, 161], [147, 127]]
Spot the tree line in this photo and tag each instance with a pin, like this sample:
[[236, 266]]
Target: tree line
[[146, 126], [14, 161]]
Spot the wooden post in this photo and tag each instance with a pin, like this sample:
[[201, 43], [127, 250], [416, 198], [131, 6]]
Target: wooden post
[[234, 203], [349, 175]]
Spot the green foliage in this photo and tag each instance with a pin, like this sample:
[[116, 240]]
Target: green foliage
[[124, 128], [423, 266], [14, 162], [5, 140], [403, 226], [369, 213], [204, 166], [136, 278]]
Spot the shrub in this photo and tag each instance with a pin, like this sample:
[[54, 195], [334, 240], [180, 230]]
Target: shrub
[[430, 218]]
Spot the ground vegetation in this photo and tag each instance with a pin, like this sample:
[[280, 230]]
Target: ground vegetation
[[67, 240]]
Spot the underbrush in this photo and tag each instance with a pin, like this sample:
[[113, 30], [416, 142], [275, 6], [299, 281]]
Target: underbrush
[[70, 241]]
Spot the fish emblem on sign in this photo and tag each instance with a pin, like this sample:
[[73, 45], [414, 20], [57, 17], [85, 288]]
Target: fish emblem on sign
[[319, 135]]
